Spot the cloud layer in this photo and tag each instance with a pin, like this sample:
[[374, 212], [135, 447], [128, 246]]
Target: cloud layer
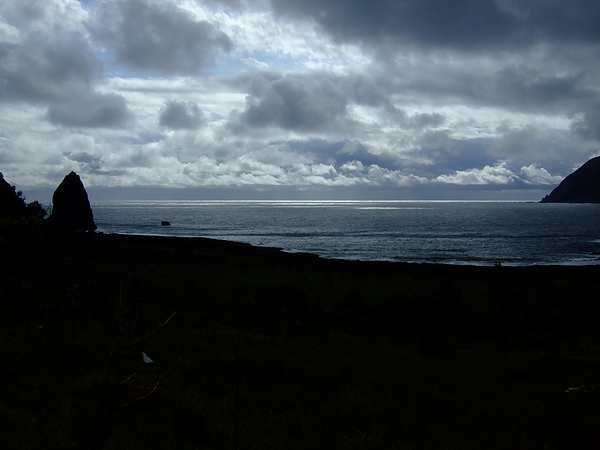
[[400, 98]]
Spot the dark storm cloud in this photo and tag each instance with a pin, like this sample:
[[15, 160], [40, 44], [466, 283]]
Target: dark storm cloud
[[426, 120], [295, 103], [91, 162], [235, 4], [543, 84], [367, 90], [539, 57], [588, 126], [356, 151], [91, 111], [181, 115], [157, 37], [527, 89], [61, 71], [458, 24], [46, 68], [455, 154]]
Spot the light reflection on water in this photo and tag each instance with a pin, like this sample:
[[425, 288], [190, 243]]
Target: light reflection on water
[[481, 233]]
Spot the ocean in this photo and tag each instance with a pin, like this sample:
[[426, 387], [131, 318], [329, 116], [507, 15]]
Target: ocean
[[448, 232]]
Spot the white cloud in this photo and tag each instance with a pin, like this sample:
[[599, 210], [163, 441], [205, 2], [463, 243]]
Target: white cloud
[[533, 174], [498, 174], [217, 93], [255, 63]]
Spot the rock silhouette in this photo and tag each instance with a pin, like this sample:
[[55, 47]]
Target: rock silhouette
[[581, 186], [71, 206], [11, 204]]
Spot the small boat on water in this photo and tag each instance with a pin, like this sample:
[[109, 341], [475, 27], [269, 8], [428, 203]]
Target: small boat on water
[[165, 223]]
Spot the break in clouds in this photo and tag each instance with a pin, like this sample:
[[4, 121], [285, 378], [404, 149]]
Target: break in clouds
[[328, 98]]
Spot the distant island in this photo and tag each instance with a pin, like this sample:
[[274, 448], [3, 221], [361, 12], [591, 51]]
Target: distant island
[[582, 186]]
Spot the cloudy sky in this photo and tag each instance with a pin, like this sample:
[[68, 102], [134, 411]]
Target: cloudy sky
[[406, 99]]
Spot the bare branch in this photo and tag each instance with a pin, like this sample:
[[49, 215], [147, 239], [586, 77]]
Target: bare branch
[[155, 386], [153, 332]]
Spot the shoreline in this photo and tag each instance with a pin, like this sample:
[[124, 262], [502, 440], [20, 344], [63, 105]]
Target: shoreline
[[516, 234], [593, 261], [318, 345]]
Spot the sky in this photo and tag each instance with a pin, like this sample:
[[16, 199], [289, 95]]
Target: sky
[[312, 99]]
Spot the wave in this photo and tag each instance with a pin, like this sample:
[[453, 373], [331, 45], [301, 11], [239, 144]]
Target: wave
[[478, 233]]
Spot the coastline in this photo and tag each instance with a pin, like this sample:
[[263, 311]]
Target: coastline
[[233, 256], [591, 260], [315, 348], [469, 233]]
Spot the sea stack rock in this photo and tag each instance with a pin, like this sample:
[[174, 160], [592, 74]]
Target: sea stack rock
[[71, 206], [582, 186], [11, 205]]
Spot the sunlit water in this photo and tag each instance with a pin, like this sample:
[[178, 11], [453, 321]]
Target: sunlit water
[[480, 233]]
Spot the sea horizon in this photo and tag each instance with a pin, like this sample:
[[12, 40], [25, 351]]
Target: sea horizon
[[476, 232]]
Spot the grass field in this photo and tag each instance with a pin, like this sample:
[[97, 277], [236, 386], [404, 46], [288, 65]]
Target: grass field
[[254, 348]]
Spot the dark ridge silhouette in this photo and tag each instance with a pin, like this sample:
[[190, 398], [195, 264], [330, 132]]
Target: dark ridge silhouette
[[71, 207], [12, 204], [582, 186]]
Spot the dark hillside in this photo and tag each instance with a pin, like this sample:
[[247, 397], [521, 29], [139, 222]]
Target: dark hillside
[[582, 186], [256, 348], [11, 204]]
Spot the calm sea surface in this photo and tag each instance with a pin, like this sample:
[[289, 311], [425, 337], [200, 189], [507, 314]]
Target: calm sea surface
[[478, 233]]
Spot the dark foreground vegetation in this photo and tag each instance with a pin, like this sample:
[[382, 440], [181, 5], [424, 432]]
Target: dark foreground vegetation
[[257, 349]]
